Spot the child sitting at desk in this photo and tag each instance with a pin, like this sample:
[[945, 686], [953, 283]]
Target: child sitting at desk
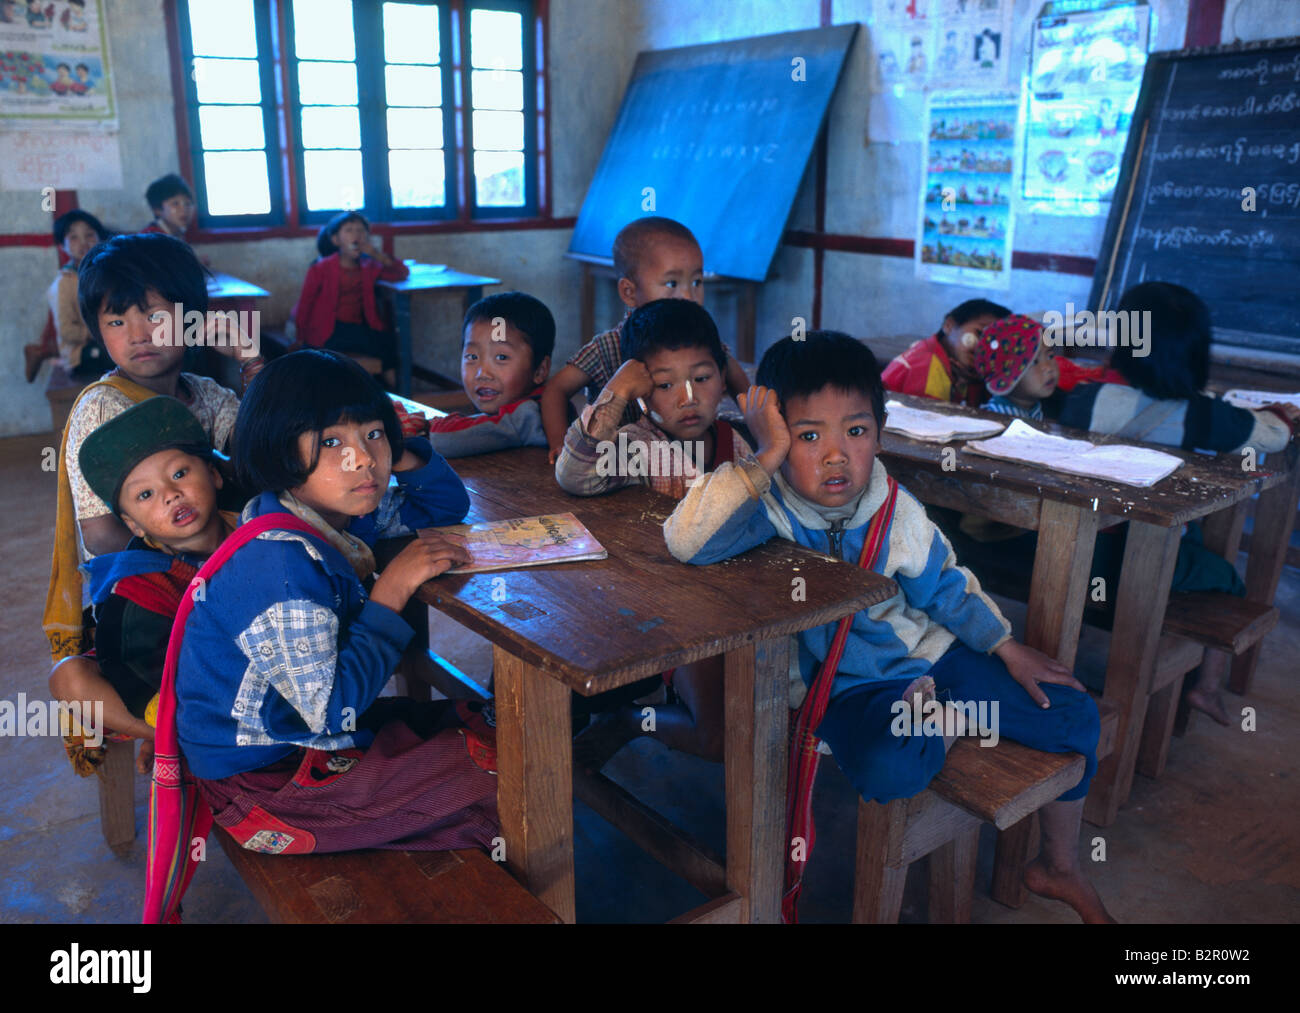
[[337, 308], [674, 368], [508, 339], [816, 412], [1016, 366], [942, 365], [75, 233], [172, 202], [656, 258]]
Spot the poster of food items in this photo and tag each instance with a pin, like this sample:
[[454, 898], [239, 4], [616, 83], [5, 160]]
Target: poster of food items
[[1085, 72], [54, 64], [966, 217]]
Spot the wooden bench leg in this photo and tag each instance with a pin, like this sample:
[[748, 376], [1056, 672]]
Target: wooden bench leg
[[878, 886], [952, 879], [1016, 847], [1162, 708], [117, 794]]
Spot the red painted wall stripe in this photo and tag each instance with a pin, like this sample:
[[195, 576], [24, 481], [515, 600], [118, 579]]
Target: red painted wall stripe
[[1204, 23]]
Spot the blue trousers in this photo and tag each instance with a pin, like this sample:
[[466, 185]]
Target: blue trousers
[[884, 766]]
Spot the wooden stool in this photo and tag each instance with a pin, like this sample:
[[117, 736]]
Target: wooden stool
[[1001, 785], [1175, 657], [1226, 625], [117, 793]]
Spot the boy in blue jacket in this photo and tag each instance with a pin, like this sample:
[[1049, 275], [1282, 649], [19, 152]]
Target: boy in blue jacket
[[817, 412]]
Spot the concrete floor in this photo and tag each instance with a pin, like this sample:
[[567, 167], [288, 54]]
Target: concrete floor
[[1215, 840]]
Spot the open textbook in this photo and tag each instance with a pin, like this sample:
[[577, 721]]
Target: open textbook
[[1257, 399], [935, 427], [1114, 462], [524, 541]]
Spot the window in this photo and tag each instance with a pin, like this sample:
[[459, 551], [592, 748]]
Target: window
[[375, 94]]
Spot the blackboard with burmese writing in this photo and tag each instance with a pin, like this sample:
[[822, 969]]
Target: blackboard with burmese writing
[[717, 137], [1209, 194]]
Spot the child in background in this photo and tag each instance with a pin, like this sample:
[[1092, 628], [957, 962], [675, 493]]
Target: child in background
[[508, 339], [817, 411], [675, 366], [75, 233], [172, 202], [656, 258], [1016, 366], [155, 465], [942, 365], [337, 308]]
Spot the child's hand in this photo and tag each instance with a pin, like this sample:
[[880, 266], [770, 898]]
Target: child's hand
[[428, 556], [223, 332], [632, 381], [411, 423], [762, 411], [554, 453], [1029, 667]]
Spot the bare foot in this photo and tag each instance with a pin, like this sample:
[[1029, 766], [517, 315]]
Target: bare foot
[[144, 757], [1070, 886], [596, 744], [1209, 703]]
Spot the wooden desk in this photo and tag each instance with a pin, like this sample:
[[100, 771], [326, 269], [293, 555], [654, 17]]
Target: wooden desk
[[226, 288], [425, 278], [1067, 511], [594, 626]]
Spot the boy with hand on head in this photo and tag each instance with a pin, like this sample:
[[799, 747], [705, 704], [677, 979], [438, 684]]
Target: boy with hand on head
[[172, 202], [155, 465], [942, 366], [508, 340], [1016, 366], [656, 258], [816, 413]]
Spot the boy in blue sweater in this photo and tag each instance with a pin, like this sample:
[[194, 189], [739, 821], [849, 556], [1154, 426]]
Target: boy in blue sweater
[[816, 413]]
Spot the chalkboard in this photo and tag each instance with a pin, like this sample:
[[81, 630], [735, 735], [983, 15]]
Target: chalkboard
[[1209, 193], [717, 137]]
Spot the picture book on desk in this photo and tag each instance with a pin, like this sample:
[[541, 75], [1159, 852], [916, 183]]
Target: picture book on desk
[[935, 427], [524, 541], [1130, 465]]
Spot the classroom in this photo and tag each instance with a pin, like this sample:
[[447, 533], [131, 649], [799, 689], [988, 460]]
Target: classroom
[[415, 407]]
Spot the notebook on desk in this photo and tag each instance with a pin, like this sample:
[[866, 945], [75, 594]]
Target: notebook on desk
[[935, 427], [1113, 462], [524, 541]]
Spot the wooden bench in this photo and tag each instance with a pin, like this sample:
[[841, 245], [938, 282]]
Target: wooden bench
[[385, 887], [62, 392], [1227, 626]]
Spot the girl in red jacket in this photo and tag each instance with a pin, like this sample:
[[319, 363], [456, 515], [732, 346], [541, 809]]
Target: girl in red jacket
[[337, 307]]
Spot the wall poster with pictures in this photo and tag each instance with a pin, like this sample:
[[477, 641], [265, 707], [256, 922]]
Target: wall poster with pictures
[[54, 65], [966, 220]]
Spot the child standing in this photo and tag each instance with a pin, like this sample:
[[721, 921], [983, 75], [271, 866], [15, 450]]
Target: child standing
[[172, 202], [75, 233], [337, 308], [816, 412], [1016, 367], [942, 365], [656, 258]]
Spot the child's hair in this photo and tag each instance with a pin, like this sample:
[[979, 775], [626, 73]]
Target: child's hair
[[119, 273], [823, 359], [66, 221], [82, 66], [670, 324], [164, 188], [64, 66], [635, 238], [972, 308], [303, 392], [525, 313], [325, 244], [1177, 363]]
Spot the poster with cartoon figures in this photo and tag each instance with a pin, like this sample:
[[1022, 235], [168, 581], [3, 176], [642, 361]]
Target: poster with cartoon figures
[[973, 44], [966, 217], [54, 64], [902, 36], [1085, 72]]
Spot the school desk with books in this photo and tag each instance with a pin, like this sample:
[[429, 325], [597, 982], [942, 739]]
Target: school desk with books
[[596, 625]]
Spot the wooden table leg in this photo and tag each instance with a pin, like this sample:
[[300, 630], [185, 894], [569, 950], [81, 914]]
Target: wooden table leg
[[535, 786], [473, 293], [746, 319], [405, 348], [1148, 569], [757, 713]]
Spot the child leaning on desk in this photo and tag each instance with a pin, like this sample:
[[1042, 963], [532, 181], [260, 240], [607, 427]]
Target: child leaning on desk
[[942, 365], [816, 412]]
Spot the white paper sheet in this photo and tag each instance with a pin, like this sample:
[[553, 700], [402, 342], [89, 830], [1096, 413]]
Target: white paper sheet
[[1118, 462], [935, 427], [1257, 399]]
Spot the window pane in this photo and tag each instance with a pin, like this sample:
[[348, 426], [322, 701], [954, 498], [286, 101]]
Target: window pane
[[331, 127], [327, 84], [227, 81], [237, 183], [322, 30], [499, 131], [232, 127], [223, 28], [416, 178], [496, 40], [413, 86], [333, 179], [499, 178], [415, 128], [497, 89], [410, 33]]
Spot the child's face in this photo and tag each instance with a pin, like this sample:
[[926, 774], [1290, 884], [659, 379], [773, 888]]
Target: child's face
[[82, 74], [687, 411], [671, 268], [177, 211], [496, 365], [128, 337], [78, 240], [351, 236], [960, 348], [833, 445], [171, 497], [63, 74], [1039, 380], [351, 472]]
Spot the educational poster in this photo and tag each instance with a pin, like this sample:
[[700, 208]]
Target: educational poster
[[974, 43], [54, 64], [902, 37], [966, 220], [1085, 72], [63, 159]]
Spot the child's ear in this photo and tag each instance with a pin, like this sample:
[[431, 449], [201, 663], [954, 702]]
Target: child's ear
[[131, 525], [627, 291], [543, 370], [949, 325], [217, 480]]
